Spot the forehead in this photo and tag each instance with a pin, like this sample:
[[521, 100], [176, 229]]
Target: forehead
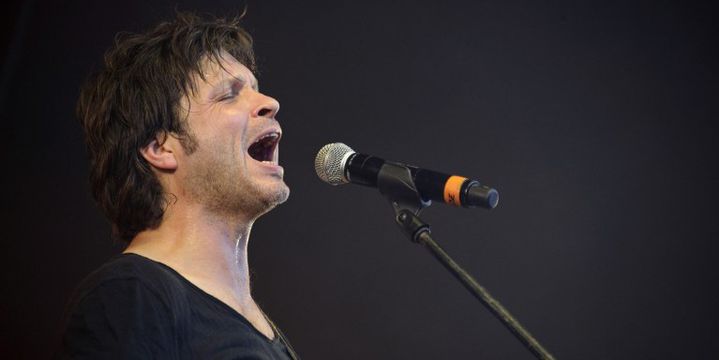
[[217, 71]]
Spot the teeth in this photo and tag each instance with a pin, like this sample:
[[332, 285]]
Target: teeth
[[268, 136]]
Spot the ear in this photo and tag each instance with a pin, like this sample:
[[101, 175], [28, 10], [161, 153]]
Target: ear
[[160, 155]]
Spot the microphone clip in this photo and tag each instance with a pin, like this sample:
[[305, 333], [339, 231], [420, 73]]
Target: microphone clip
[[395, 183]]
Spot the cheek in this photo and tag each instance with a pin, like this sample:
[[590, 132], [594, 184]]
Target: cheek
[[235, 127], [226, 130]]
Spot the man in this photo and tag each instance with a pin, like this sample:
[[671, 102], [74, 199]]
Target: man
[[184, 158]]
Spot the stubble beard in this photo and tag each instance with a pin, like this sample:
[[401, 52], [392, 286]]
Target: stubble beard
[[224, 187]]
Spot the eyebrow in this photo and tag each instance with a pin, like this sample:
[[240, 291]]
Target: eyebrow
[[231, 80], [253, 82]]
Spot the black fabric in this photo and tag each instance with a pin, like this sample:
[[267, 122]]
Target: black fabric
[[136, 308]]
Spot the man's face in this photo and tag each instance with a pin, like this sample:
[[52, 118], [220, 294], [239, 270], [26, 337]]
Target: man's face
[[234, 168]]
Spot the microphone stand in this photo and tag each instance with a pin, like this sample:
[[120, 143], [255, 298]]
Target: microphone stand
[[395, 183]]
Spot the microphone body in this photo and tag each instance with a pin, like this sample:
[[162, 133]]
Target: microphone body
[[339, 164]]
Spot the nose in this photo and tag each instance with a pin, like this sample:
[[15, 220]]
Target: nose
[[267, 106]]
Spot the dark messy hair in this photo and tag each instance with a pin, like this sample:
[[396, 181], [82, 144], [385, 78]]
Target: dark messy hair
[[136, 98]]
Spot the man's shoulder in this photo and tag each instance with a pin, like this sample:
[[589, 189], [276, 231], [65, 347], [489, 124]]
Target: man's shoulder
[[131, 306], [127, 272]]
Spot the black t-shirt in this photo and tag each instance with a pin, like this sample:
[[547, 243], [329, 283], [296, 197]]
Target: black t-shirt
[[136, 308]]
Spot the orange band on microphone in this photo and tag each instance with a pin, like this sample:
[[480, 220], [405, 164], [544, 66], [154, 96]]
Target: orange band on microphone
[[452, 188]]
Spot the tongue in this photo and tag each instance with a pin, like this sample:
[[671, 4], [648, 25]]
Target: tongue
[[261, 151]]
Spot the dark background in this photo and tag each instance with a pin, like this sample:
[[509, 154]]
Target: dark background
[[597, 122]]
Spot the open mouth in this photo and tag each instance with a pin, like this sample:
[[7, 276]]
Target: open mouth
[[263, 149]]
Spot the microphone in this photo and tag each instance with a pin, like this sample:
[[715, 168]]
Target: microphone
[[338, 164]]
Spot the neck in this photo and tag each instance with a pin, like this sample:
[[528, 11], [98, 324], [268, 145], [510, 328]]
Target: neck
[[208, 249]]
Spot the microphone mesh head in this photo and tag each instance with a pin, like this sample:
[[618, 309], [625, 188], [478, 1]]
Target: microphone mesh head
[[330, 163]]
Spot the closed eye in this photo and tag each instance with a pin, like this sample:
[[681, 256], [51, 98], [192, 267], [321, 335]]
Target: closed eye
[[233, 90], [228, 96]]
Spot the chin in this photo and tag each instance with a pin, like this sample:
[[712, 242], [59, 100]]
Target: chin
[[275, 196], [282, 194]]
